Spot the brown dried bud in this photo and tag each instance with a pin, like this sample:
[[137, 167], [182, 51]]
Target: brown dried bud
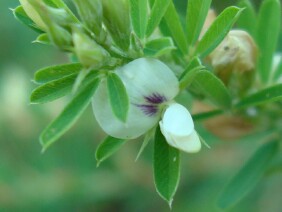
[[234, 61], [237, 51]]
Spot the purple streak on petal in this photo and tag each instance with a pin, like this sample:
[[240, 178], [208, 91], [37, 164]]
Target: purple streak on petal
[[155, 98], [149, 110]]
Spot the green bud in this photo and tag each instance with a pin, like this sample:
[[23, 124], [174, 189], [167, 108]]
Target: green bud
[[59, 16], [57, 22], [91, 13], [117, 20], [60, 36], [33, 14], [90, 54], [51, 15]]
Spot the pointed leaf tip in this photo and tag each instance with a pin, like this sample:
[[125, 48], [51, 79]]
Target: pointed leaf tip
[[166, 167]]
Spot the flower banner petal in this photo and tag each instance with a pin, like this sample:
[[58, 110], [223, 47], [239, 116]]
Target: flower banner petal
[[137, 122]]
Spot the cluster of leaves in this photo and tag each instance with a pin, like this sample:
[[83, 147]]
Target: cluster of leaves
[[131, 33]]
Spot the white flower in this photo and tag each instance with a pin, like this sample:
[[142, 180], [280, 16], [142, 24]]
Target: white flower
[[178, 128], [150, 85]]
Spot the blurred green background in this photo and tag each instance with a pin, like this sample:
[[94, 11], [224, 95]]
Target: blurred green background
[[66, 178]]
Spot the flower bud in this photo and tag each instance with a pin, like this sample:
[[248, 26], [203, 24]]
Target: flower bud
[[57, 15], [91, 13], [57, 23], [88, 51], [60, 36], [33, 14], [117, 21], [237, 53]]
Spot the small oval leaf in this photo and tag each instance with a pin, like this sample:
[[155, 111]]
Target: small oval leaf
[[218, 30], [195, 62], [270, 94], [118, 97], [56, 72], [158, 47], [174, 28], [208, 85], [166, 167], [52, 90], [108, 147], [206, 115], [189, 77], [269, 25], [69, 115], [43, 39], [197, 11], [21, 16]]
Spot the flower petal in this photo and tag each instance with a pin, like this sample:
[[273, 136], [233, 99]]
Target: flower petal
[[137, 122], [190, 143], [177, 120], [148, 80]]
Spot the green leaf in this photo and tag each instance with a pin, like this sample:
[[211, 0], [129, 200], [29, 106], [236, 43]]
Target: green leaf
[[69, 115], [197, 11], [55, 89], [21, 16], [118, 97], [270, 94], [56, 72], [149, 135], [107, 148], [218, 30], [158, 47], [166, 167], [206, 115], [207, 84], [43, 39], [189, 77], [269, 24], [195, 62], [175, 29], [52, 90], [157, 12], [249, 175], [247, 20], [138, 9]]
